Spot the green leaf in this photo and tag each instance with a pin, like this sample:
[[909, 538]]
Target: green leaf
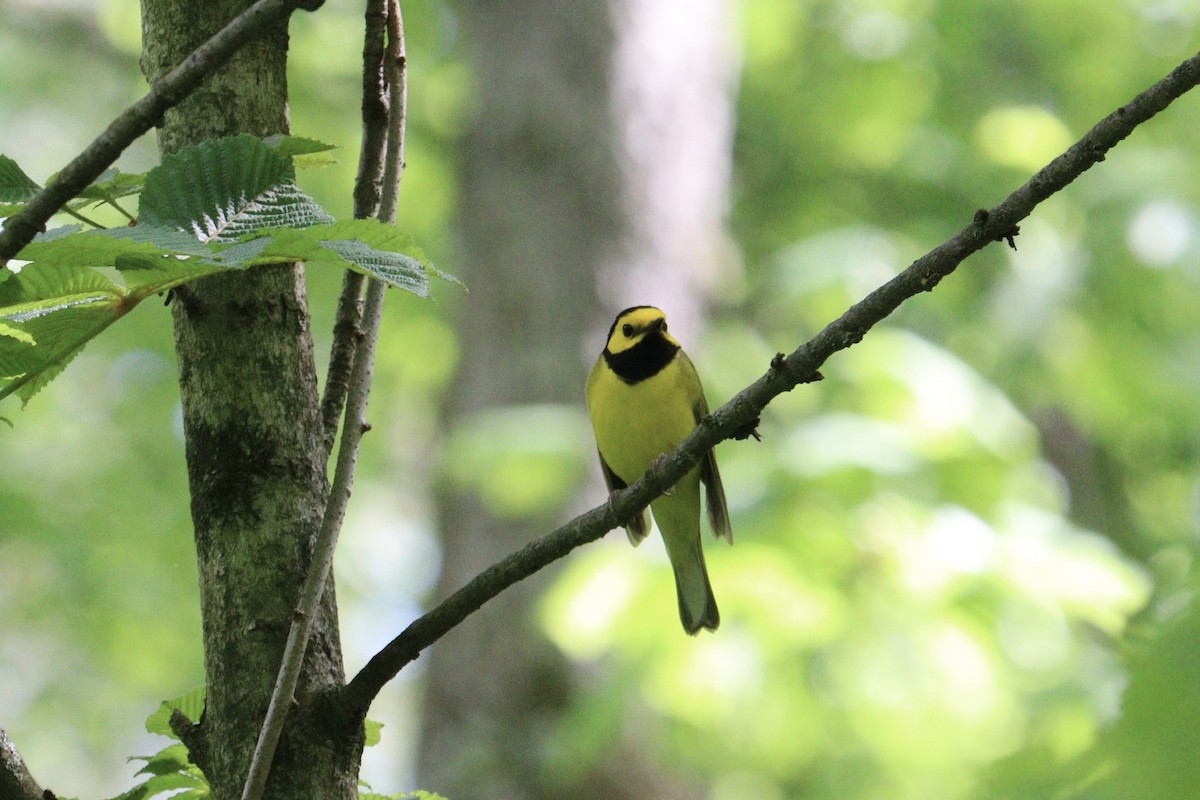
[[15, 185], [378, 235], [277, 246], [15, 333], [108, 188], [70, 247], [224, 189], [151, 259], [394, 269], [380, 250], [373, 731], [168, 239], [220, 205], [139, 792], [305, 153], [176, 780], [292, 146], [61, 309], [170, 770], [191, 704], [171, 758], [366, 246]]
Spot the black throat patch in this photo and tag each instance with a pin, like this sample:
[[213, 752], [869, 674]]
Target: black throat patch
[[644, 360]]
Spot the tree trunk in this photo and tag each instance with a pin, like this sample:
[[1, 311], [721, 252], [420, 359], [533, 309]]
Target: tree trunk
[[256, 465], [538, 212]]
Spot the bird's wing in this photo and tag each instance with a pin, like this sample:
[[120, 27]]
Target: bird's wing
[[710, 476], [639, 526]]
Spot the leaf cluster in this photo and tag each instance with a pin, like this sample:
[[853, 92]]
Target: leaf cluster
[[171, 770], [222, 205]]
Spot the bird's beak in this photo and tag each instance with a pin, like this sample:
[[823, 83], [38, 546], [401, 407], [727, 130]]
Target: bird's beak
[[656, 326]]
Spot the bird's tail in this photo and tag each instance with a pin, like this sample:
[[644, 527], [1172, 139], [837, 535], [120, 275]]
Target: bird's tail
[[697, 606]]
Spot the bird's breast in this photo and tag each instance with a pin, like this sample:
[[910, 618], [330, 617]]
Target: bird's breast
[[636, 423]]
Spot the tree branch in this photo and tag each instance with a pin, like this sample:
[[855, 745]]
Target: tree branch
[[368, 190], [15, 781], [355, 425], [140, 117], [785, 373]]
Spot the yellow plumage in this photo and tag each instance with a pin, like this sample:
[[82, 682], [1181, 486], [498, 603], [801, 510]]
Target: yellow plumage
[[645, 397]]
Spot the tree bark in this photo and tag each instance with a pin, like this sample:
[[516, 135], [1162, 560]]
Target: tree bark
[[256, 463]]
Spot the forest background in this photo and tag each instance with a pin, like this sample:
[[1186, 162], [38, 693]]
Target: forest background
[[964, 561]]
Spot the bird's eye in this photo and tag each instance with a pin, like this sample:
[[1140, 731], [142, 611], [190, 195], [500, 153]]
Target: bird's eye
[[627, 329]]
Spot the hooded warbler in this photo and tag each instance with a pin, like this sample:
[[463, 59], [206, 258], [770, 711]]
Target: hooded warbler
[[645, 397]]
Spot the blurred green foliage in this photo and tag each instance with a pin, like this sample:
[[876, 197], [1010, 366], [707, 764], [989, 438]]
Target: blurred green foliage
[[964, 561], [941, 547]]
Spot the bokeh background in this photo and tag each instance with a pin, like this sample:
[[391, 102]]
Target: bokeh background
[[964, 562]]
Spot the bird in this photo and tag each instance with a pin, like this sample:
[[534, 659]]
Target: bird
[[644, 397]]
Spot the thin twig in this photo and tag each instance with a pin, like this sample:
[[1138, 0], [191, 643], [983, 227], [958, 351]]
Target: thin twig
[[121, 209], [784, 374], [82, 218], [140, 117], [368, 189], [397, 71], [355, 425]]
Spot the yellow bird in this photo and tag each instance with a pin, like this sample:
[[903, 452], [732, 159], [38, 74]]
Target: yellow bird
[[645, 398]]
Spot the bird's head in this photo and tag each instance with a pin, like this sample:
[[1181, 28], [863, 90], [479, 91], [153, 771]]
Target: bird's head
[[636, 325]]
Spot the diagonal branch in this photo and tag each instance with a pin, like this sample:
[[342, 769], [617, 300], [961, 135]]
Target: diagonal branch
[[140, 117], [785, 373]]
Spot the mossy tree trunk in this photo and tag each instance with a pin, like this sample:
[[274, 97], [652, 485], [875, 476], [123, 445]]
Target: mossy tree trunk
[[255, 461]]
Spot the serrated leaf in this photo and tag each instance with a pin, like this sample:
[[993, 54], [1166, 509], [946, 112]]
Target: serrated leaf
[[61, 309], [176, 780], [278, 246], [190, 703], [172, 758], [43, 289], [391, 263], [143, 262], [139, 792], [151, 259], [60, 232], [381, 236], [376, 249], [293, 146], [224, 189], [69, 247], [108, 188], [394, 269], [314, 161], [14, 332], [378, 235], [15, 185], [168, 239]]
